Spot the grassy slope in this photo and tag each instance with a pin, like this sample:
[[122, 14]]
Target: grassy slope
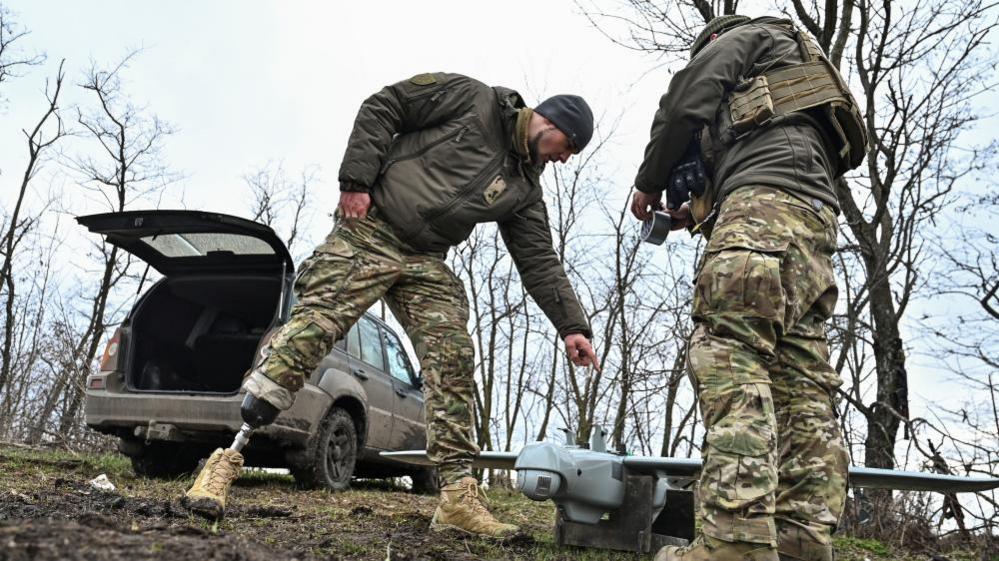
[[373, 521]]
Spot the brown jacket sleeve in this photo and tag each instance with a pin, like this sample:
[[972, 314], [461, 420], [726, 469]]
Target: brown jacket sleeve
[[423, 101], [528, 238], [693, 98]]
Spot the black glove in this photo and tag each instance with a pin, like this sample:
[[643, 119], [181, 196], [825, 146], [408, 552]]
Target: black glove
[[257, 412], [688, 177]]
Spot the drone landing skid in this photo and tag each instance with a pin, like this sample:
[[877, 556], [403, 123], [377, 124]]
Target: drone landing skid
[[638, 525]]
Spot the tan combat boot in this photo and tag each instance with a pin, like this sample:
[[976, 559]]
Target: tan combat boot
[[463, 507], [706, 548], [208, 494], [795, 544]]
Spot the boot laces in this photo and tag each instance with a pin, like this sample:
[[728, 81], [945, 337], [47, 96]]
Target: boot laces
[[474, 498], [220, 474]]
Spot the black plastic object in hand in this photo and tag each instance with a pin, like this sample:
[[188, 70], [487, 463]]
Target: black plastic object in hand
[[687, 178], [257, 412]]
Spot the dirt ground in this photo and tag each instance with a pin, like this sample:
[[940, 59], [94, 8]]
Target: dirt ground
[[49, 511]]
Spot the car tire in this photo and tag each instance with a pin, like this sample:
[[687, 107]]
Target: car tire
[[331, 454], [425, 482], [163, 460]]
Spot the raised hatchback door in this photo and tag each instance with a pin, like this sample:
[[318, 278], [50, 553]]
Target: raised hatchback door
[[187, 241]]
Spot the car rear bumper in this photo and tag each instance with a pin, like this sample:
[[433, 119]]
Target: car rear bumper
[[187, 412], [186, 417]]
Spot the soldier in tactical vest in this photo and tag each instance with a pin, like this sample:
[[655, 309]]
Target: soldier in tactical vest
[[428, 159], [770, 122]]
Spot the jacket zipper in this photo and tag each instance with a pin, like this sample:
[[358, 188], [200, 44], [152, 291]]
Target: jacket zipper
[[469, 189], [456, 135], [434, 97]]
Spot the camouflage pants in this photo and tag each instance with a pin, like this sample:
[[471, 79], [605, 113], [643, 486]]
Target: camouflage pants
[[360, 262], [774, 457]]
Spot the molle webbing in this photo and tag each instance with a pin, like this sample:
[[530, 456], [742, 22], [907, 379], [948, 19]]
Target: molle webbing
[[815, 84], [802, 86]]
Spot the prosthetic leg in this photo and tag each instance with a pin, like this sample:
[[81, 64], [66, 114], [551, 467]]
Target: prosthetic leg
[[207, 497]]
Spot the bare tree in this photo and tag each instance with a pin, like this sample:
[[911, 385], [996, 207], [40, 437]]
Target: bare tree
[[12, 59], [488, 274], [280, 202], [128, 166], [919, 70], [30, 342], [966, 342], [46, 132]]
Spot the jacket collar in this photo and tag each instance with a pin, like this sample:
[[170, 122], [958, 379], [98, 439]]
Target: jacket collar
[[510, 103]]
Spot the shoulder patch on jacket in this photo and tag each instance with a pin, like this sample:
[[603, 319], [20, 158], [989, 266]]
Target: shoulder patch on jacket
[[423, 79]]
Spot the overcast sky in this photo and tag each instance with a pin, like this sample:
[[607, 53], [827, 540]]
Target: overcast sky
[[250, 82]]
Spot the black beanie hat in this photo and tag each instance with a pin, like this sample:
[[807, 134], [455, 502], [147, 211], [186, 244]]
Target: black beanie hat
[[716, 25], [571, 115]]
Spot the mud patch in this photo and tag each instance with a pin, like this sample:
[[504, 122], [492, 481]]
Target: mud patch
[[74, 499], [99, 538], [261, 512]]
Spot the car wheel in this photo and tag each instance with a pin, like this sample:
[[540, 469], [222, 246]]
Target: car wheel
[[163, 460], [331, 454], [425, 482]]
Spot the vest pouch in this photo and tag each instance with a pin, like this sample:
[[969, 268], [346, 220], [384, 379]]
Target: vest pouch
[[751, 105], [849, 124]]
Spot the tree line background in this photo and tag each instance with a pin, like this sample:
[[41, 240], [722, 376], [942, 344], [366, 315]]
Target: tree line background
[[917, 260]]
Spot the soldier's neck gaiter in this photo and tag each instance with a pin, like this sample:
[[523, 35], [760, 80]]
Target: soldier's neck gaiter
[[520, 133]]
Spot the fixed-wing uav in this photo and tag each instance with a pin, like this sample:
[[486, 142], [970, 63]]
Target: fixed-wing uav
[[586, 483]]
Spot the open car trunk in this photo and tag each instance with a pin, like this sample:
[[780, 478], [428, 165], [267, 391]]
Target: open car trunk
[[197, 329], [199, 334]]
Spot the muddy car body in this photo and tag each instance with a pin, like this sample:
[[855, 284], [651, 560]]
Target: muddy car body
[[169, 382]]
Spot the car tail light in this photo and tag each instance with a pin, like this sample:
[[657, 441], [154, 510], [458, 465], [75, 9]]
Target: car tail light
[[109, 362], [96, 382]]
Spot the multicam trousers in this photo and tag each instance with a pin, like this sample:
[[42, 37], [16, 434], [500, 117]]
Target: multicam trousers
[[774, 457], [360, 262]]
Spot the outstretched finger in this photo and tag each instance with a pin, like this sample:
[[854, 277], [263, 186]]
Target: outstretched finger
[[592, 355]]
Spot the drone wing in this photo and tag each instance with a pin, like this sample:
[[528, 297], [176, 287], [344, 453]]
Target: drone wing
[[873, 478], [870, 478], [486, 459]]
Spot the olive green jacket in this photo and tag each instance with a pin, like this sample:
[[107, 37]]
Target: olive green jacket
[[436, 154], [792, 156]]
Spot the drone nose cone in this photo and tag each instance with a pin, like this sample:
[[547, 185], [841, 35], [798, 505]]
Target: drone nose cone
[[538, 485]]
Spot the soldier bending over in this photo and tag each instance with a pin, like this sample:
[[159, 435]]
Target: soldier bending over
[[428, 159]]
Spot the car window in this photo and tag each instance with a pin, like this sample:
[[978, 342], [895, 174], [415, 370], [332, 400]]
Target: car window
[[194, 244], [371, 343], [398, 361], [353, 342]]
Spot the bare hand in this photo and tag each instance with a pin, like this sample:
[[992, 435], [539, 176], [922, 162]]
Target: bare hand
[[682, 218], [644, 204], [580, 351], [354, 205]]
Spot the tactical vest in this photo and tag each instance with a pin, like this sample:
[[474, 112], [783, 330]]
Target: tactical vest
[[766, 100]]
